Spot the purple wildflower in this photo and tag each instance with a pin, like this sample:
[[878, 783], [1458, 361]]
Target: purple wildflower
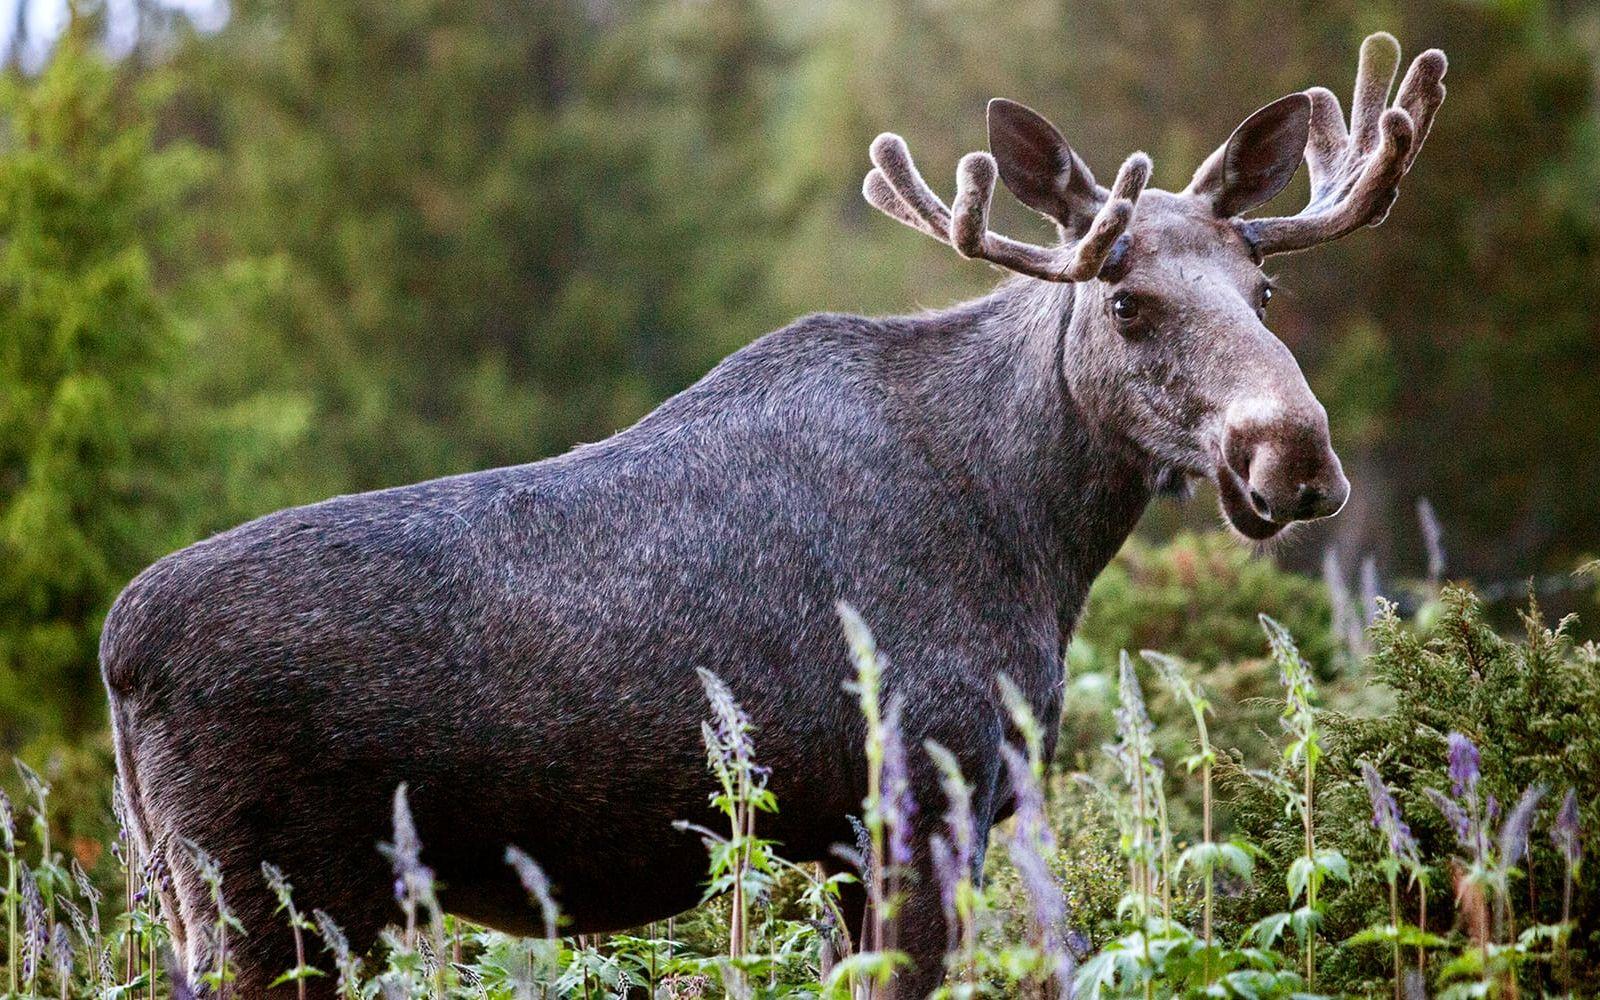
[[38, 788], [1347, 621], [1460, 822], [87, 890], [898, 804], [1565, 834], [35, 924], [61, 955], [537, 885], [333, 940], [1133, 719], [8, 824], [1386, 817], [1514, 835], [1432, 539], [1030, 843], [1370, 591], [413, 880], [958, 813], [732, 725], [1464, 766]]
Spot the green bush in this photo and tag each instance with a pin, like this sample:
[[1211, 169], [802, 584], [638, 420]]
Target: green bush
[[1531, 704], [1196, 598]]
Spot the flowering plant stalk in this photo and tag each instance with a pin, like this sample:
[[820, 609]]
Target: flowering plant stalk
[[298, 925], [1401, 853], [1207, 855], [740, 863], [1304, 751], [1565, 836], [954, 864]]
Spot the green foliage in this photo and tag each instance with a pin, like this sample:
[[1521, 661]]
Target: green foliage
[[84, 340], [1196, 597], [1532, 705], [106, 461]]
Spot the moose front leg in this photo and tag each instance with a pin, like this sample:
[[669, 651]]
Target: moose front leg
[[919, 926], [923, 931]]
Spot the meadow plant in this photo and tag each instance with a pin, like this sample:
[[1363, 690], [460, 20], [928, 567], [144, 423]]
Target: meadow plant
[[868, 690], [8, 840], [416, 892], [220, 976], [38, 807], [1432, 542], [1567, 839], [61, 960], [740, 862], [1402, 854], [1487, 864], [298, 925], [1207, 856], [954, 865], [1303, 752], [1029, 846], [35, 924], [1146, 948], [346, 962], [90, 932], [1134, 753], [537, 885], [887, 807]]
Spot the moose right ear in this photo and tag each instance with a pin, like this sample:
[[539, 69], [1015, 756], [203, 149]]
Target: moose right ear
[[1258, 160], [1040, 168]]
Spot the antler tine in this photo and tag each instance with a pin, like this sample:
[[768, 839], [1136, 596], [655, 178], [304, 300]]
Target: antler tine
[[1112, 219], [969, 226], [880, 194], [895, 188], [1355, 174], [1375, 70], [1422, 93], [893, 161]]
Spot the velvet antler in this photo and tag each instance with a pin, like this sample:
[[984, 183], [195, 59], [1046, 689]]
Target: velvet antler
[[1355, 173], [895, 188]]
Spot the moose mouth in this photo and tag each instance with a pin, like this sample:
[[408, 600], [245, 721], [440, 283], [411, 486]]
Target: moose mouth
[[1236, 507]]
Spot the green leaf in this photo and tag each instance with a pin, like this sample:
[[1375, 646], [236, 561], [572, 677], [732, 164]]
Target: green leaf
[[1299, 877], [1237, 859], [1266, 931], [1096, 976], [1331, 862], [295, 975]]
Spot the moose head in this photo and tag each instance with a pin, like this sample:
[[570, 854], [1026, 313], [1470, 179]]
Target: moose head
[[1166, 342]]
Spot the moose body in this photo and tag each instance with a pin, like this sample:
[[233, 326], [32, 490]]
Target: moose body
[[520, 646]]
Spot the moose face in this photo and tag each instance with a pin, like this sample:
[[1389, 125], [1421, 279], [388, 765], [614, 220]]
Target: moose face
[[1167, 345], [1170, 348]]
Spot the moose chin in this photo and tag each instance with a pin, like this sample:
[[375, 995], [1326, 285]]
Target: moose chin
[[519, 646]]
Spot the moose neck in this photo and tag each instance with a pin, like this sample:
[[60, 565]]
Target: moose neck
[[990, 402]]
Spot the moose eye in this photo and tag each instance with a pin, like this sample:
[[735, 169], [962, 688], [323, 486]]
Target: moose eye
[[1124, 307], [1266, 296]]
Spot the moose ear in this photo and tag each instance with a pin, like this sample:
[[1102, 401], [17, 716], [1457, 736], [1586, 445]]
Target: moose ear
[[1039, 167], [1258, 160]]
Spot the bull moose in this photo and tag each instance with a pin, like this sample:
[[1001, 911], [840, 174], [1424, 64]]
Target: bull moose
[[519, 646]]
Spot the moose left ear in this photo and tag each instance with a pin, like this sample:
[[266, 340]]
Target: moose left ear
[[1258, 160]]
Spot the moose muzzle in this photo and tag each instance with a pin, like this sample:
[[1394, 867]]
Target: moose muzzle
[[1278, 468]]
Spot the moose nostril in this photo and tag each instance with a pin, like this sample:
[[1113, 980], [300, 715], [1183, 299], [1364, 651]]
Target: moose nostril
[[1259, 502], [1308, 500]]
